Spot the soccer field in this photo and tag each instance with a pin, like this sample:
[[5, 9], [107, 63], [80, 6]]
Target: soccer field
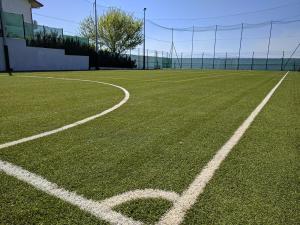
[[166, 147]]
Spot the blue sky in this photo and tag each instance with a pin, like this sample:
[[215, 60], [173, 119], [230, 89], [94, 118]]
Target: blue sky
[[178, 13]]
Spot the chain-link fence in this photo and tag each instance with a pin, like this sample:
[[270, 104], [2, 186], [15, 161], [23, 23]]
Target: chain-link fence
[[272, 45], [222, 61]]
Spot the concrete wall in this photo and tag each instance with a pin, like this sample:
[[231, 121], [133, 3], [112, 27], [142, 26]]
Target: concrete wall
[[24, 58], [22, 7]]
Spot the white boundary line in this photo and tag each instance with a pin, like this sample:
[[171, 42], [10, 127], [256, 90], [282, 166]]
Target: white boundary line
[[80, 122], [189, 197], [97, 209], [104, 209]]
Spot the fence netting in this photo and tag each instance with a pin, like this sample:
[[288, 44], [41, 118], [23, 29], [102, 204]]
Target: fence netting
[[262, 46]]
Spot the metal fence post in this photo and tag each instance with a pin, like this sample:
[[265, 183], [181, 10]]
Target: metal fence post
[[192, 52], [282, 60], [241, 40], [168, 60], [294, 64], [202, 60], [215, 46], [269, 44], [181, 61], [172, 46], [147, 59], [138, 58], [156, 59], [162, 59], [226, 61], [252, 61]]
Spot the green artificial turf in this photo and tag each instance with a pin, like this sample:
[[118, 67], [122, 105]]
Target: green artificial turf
[[161, 138]]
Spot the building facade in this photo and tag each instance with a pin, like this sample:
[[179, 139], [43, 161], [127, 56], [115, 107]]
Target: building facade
[[16, 55]]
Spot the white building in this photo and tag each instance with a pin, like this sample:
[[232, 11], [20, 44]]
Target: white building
[[20, 57], [22, 7]]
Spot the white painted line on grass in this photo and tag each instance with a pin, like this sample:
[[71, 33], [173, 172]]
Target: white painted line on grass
[[140, 194], [95, 208], [80, 122], [104, 209], [189, 197], [198, 78], [190, 79]]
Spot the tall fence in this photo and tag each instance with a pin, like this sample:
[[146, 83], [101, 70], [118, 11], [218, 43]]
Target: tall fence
[[16, 27], [162, 60], [155, 60], [272, 45]]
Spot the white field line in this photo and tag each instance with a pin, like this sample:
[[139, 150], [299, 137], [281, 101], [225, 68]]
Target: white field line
[[188, 198], [140, 194], [198, 78], [95, 208], [102, 210], [80, 122], [178, 81]]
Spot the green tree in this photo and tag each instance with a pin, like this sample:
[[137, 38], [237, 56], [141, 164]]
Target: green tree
[[118, 31], [87, 29]]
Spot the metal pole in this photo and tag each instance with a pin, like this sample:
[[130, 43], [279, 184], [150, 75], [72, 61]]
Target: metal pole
[[139, 58], [192, 47], [172, 46], [282, 60], [156, 60], [215, 46], [269, 43], [162, 59], [241, 40], [181, 61], [226, 61], [290, 57], [144, 51], [252, 61], [202, 60], [168, 60], [147, 60], [96, 31]]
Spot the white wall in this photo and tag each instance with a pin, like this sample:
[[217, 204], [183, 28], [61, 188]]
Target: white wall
[[23, 58], [19, 7]]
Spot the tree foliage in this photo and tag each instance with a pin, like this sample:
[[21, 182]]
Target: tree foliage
[[87, 29], [118, 31]]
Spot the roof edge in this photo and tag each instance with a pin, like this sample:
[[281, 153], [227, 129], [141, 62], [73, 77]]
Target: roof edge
[[35, 4]]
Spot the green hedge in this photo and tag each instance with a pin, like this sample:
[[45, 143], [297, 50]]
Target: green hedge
[[77, 47]]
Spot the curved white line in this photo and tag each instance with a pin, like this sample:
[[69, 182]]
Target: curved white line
[[93, 207], [139, 194], [80, 122]]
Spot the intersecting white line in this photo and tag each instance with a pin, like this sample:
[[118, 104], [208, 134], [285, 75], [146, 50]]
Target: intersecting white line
[[189, 197], [104, 210]]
